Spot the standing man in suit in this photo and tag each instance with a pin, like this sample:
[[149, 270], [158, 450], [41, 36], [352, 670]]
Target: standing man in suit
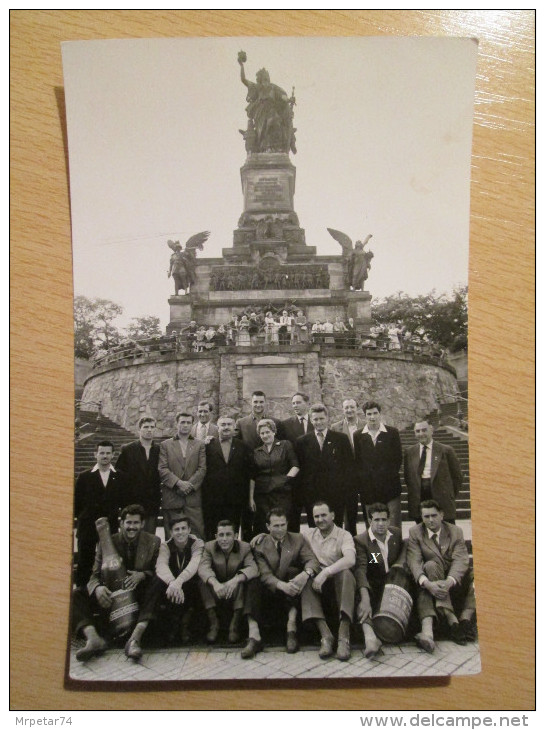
[[225, 490], [432, 471], [204, 429], [286, 566], [297, 425], [326, 463], [378, 550], [438, 559], [100, 492], [246, 430], [182, 467], [228, 572], [139, 461], [139, 551], [349, 425], [378, 455]]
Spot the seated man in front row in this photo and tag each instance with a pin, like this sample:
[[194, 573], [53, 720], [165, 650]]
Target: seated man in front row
[[287, 566], [334, 548], [228, 572], [378, 550], [176, 570], [438, 559], [139, 551]]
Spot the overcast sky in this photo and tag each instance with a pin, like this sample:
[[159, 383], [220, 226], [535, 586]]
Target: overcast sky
[[383, 147]]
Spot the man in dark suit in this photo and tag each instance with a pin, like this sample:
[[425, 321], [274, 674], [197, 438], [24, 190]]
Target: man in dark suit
[[246, 427], [139, 461], [226, 484], [246, 430], [204, 429], [349, 425], [326, 462], [286, 566], [228, 572], [297, 425], [378, 550], [182, 467], [378, 455], [432, 471], [139, 551], [438, 559], [100, 492]]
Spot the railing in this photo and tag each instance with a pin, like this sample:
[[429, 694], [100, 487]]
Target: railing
[[189, 342], [459, 420], [79, 427]]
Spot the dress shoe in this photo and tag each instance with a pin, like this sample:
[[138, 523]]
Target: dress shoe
[[133, 650], [251, 649], [425, 642], [326, 648], [343, 650], [469, 629], [93, 647], [292, 645], [457, 634], [212, 635]]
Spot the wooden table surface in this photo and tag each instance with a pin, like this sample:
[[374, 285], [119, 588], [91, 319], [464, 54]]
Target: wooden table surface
[[501, 362]]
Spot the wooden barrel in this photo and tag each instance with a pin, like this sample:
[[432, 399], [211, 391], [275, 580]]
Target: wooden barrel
[[391, 620], [123, 612]]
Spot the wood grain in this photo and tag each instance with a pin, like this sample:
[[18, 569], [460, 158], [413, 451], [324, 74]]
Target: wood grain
[[501, 364]]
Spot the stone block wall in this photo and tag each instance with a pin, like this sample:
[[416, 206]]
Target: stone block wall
[[405, 389]]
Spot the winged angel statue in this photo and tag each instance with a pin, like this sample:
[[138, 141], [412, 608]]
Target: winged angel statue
[[182, 263], [358, 260]]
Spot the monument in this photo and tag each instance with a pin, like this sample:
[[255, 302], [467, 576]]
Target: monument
[[270, 265], [268, 275]]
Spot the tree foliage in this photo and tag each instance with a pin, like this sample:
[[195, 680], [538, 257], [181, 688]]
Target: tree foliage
[[442, 318], [142, 327], [93, 325]]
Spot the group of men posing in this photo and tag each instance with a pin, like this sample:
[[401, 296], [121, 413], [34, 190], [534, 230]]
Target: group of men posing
[[204, 481]]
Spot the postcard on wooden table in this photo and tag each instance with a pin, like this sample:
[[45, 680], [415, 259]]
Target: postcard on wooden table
[[270, 245]]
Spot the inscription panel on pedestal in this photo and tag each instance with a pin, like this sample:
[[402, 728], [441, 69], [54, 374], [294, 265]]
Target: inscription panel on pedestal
[[276, 381], [267, 190]]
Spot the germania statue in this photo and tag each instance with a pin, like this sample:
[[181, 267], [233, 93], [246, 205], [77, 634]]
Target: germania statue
[[270, 114]]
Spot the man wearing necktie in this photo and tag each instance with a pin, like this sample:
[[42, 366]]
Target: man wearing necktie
[[286, 566], [204, 429], [438, 559], [326, 462], [432, 471]]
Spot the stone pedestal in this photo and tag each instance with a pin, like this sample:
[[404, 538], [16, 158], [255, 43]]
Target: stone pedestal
[[268, 183], [181, 312], [359, 307]]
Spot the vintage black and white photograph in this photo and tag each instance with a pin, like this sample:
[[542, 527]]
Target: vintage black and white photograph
[[270, 250]]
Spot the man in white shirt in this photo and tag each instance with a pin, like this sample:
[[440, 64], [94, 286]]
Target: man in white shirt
[[334, 548], [204, 429], [378, 550]]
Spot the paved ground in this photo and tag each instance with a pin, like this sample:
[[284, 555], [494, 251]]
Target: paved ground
[[406, 660]]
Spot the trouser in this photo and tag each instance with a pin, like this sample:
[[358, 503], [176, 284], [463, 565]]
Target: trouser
[[86, 557], [394, 507], [461, 596], [193, 512], [336, 503], [147, 593], [351, 513], [243, 598], [341, 587], [173, 613], [272, 607], [213, 513], [265, 502], [150, 524]]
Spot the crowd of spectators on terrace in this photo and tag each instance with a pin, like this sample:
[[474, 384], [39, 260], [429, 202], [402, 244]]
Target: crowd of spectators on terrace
[[283, 329]]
